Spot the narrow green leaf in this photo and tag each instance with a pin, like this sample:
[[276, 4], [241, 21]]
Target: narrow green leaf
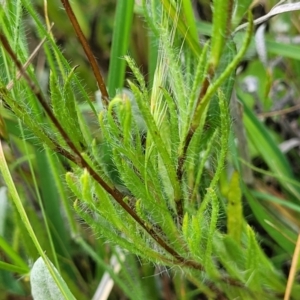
[[24, 114], [224, 118], [135, 246], [173, 122], [70, 110], [197, 227], [56, 97], [271, 198], [253, 263], [230, 255], [155, 134], [195, 182], [188, 13], [13, 268], [13, 255], [208, 262], [222, 10], [283, 49], [182, 27], [73, 184], [275, 228], [200, 73], [269, 150], [234, 208], [120, 42], [86, 187], [185, 225]]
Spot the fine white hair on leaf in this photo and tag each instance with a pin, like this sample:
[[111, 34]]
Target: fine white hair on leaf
[[43, 285]]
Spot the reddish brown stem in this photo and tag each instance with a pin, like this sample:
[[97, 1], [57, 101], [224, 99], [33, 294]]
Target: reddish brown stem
[[80, 161], [87, 50]]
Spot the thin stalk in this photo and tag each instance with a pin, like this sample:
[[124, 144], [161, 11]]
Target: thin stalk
[[87, 50]]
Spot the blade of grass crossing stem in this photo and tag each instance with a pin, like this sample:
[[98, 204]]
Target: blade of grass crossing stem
[[18, 203], [120, 42]]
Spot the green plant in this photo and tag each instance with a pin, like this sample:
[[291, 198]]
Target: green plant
[[152, 179]]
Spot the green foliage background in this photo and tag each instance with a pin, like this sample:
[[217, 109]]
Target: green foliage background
[[163, 170]]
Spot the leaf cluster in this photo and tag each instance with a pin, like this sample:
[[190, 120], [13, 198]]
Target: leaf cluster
[[149, 179]]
